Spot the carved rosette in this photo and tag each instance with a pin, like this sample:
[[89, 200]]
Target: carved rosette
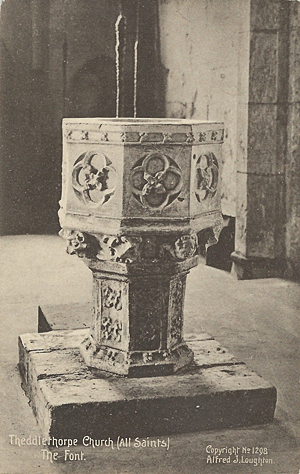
[[111, 330], [112, 298], [156, 181]]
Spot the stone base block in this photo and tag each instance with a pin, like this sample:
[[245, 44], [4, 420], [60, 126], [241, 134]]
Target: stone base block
[[72, 401], [244, 268]]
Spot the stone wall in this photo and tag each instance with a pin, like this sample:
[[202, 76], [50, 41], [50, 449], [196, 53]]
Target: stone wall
[[267, 225], [260, 177], [16, 122], [238, 61], [205, 49], [58, 60], [293, 147], [44, 43]]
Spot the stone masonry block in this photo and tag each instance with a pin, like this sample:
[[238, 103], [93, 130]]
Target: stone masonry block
[[65, 316], [294, 131], [293, 164], [268, 14], [266, 138], [294, 15], [241, 217], [265, 234], [263, 67], [293, 191], [70, 401], [294, 65]]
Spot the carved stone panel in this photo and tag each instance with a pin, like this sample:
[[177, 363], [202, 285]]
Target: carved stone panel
[[111, 310], [94, 178], [149, 311], [207, 176], [206, 184], [156, 181], [92, 185]]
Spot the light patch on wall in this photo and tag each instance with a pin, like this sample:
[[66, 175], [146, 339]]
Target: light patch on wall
[[202, 47]]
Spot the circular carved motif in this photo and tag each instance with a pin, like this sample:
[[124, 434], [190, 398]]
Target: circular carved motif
[[156, 181], [185, 246], [93, 178], [207, 176]]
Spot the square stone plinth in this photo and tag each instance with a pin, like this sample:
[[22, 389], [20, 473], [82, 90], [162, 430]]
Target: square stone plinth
[[71, 401]]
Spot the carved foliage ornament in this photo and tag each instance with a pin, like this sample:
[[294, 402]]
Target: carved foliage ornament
[[118, 249], [80, 243], [111, 330], [207, 176], [129, 249], [156, 181], [112, 298], [184, 247], [93, 178]]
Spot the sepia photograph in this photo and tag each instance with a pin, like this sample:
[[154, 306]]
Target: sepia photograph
[[150, 236]]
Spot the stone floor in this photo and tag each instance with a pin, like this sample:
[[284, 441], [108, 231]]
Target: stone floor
[[258, 321]]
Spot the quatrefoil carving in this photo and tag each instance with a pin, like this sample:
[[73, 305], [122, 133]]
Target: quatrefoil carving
[[156, 181], [94, 178], [207, 176]]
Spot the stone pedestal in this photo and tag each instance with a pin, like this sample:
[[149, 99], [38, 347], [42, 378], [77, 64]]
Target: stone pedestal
[[137, 329]]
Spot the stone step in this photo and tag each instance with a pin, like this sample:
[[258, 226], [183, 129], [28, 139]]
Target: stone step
[[72, 401]]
